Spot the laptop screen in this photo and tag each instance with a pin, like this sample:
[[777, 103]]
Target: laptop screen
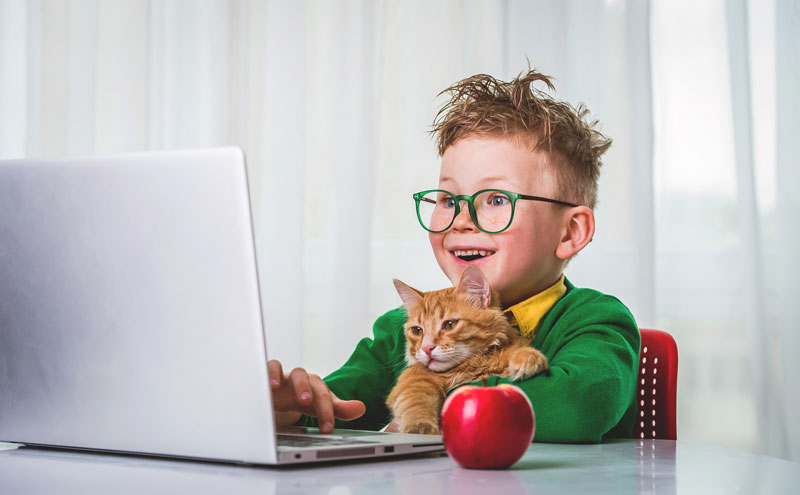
[[129, 306]]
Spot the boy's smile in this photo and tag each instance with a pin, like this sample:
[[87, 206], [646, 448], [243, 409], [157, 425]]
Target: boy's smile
[[521, 261]]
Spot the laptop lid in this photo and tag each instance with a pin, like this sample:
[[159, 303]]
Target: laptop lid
[[130, 317]]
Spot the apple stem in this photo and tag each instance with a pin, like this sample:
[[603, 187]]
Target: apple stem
[[484, 382]]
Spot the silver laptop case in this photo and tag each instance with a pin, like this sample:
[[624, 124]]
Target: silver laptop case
[[119, 276], [130, 318]]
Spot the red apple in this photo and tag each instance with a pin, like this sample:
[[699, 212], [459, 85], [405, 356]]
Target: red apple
[[487, 427]]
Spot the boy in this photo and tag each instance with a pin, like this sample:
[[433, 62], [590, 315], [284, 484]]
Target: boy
[[541, 161]]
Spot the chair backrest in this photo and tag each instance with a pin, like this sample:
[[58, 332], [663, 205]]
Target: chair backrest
[[657, 386]]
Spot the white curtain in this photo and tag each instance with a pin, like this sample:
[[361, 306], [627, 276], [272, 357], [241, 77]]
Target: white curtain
[[332, 102]]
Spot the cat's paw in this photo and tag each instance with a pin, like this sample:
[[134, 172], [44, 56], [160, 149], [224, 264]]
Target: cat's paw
[[526, 362], [422, 426]]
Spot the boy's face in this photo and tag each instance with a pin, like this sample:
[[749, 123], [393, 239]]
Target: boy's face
[[521, 261]]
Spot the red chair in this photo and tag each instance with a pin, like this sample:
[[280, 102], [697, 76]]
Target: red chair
[[657, 387]]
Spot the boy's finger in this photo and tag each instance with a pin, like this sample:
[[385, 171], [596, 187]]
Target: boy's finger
[[275, 373], [302, 389], [323, 404], [347, 410]]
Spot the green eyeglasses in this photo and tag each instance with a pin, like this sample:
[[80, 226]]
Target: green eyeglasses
[[491, 210]]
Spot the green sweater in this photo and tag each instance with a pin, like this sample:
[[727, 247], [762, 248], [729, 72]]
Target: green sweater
[[591, 342]]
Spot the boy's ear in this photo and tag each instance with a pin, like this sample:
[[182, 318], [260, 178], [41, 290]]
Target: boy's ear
[[577, 232], [409, 295], [473, 283]]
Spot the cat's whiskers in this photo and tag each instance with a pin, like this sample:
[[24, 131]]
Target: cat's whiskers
[[397, 363], [463, 353]]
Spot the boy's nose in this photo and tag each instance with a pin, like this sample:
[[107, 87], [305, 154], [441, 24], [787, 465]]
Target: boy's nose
[[428, 349], [463, 221]]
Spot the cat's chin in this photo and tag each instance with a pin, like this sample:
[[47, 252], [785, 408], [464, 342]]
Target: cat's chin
[[435, 365], [439, 366]]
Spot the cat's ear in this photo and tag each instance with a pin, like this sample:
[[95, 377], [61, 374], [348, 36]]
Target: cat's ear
[[409, 295], [473, 283]]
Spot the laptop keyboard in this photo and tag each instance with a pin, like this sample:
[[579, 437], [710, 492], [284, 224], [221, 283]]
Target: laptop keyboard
[[300, 441]]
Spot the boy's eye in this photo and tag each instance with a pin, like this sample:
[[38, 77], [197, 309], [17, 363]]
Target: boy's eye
[[416, 331], [447, 202], [449, 324], [498, 200]]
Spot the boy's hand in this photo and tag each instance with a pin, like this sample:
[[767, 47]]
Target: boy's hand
[[302, 393]]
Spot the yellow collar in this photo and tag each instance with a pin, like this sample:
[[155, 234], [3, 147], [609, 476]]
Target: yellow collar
[[528, 313]]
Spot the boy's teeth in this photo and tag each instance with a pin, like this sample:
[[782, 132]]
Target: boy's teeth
[[472, 252]]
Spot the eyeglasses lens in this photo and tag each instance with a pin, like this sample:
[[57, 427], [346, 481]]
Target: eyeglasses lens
[[436, 210], [493, 209]]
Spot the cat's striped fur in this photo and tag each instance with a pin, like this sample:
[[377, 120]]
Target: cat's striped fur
[[455, 336]]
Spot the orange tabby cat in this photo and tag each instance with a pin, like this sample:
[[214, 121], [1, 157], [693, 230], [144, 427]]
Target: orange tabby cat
[[454, 336]]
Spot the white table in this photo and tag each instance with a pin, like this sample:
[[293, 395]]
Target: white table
[[627, 466]]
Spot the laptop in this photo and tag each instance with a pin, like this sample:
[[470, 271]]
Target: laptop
[[130, 316]]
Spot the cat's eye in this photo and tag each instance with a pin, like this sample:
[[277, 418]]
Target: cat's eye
[[417, 331], [449, 324]]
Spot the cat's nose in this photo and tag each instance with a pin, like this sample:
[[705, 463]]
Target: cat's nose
[[428, 349]]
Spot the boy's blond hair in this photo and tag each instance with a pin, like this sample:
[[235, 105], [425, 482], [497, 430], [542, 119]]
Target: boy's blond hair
[[483, 105]]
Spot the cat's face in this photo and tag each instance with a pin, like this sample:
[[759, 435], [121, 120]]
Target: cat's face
[[447, 327]]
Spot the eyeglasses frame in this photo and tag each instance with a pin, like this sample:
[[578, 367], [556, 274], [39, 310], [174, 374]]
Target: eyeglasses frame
[[514, 197]]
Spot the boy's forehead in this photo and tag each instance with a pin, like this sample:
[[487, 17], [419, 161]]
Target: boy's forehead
[[481, 162]]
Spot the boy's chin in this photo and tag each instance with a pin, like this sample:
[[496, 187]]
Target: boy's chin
[[455, 269], [459, 264]]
